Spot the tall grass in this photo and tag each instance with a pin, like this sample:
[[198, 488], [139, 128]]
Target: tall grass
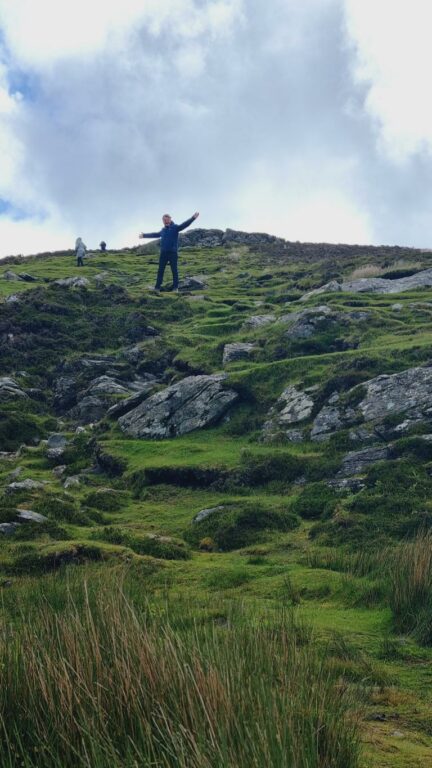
[[105, 683], [411, 588]]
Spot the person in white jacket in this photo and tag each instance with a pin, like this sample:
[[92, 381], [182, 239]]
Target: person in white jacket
[[80, 250]]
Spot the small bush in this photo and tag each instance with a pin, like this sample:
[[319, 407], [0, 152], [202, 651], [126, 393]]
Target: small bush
[[162, 547], [315, 501], [239, 525], [260, 469], [16, 429], [105, 500]]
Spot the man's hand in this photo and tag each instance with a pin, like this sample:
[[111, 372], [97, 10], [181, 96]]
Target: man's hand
[[141, 235], [196, 214]]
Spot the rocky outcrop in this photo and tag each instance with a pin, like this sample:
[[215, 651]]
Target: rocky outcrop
[[56, 447], [193, 403], [129, 403], [307, 322], [407, 393], [376, 285], [257, 321], [358, 462], [10, 390], [106, 385], [25, 485], [237, 351], [88, 410], [293, 406]]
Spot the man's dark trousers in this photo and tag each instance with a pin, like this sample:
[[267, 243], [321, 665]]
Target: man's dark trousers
[[171, 258]]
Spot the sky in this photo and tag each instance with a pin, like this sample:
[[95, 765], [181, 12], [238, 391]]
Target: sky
[[308, 119]]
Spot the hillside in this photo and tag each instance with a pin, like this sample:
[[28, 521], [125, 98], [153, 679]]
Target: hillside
[[259, 443]]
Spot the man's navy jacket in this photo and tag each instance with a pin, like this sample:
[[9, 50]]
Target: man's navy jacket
[[169, 236]]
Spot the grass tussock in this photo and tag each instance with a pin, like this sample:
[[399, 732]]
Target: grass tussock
[[102, 682], [411, 588]]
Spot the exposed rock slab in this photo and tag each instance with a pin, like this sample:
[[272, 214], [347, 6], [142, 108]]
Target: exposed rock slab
[[293, 406], [129, 403], [193, 403], [9, 389], [25, 485], [28, 516], [237, 351], [408, 393], [376, 285], [358, 462], [88, 410]]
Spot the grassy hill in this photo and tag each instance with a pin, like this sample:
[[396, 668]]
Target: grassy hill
[[291, 627]]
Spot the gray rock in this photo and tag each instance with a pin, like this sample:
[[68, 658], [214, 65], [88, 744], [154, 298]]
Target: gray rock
[[207, 513], [14, 298], [408, 393], [8, 529], [129, 403], [194, 283], [343, 484], [65, 392], [358, 462], [11, 276], [14, 474], [258, 321], [55, 454], [88, 410], [193, 403], [307, 322], [25, 485], [9, 389], [332, 287], [28, 516], [397, 307], [106, 385], [237, 351], [57, 440], [28, 278], [60, 470], [72, 482], [377, 285], [73, 282], [293, 406]]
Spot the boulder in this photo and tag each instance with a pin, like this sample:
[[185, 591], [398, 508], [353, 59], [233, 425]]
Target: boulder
[[88, 410], [28, 278], [60, 470], [73, 282], [25, 485], [57, 440], [106, 385], [192, 284], [11, 276], [8, 529], [9, 389], [257, 321], [293, 406], [72, 482], [28, 516], [193, 403], [407, 393], [237, 351], [65, 392], [207, 513]]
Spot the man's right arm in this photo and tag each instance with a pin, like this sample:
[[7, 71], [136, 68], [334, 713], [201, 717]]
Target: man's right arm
[[149, 235]]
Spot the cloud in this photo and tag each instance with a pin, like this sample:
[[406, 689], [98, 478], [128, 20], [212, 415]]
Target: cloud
[[392, 47], [260, 114]]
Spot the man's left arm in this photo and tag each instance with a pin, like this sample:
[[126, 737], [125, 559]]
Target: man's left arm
[[188, 222]]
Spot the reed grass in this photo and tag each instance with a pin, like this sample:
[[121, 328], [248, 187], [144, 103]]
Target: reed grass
[[99, 681], [411, 588]]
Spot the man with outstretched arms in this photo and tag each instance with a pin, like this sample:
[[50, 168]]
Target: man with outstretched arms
[[169, 247]]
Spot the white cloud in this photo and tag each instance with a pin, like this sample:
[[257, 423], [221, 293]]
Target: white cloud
[[392, 45]]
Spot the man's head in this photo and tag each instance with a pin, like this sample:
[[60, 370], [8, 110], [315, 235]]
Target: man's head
[[166, 218]]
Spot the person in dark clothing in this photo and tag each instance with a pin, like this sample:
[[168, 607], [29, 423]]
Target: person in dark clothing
[[169, 247], [80, 251], [102, 246]]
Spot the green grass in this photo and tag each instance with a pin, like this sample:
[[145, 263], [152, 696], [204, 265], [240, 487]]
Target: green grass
[[341, 568]]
